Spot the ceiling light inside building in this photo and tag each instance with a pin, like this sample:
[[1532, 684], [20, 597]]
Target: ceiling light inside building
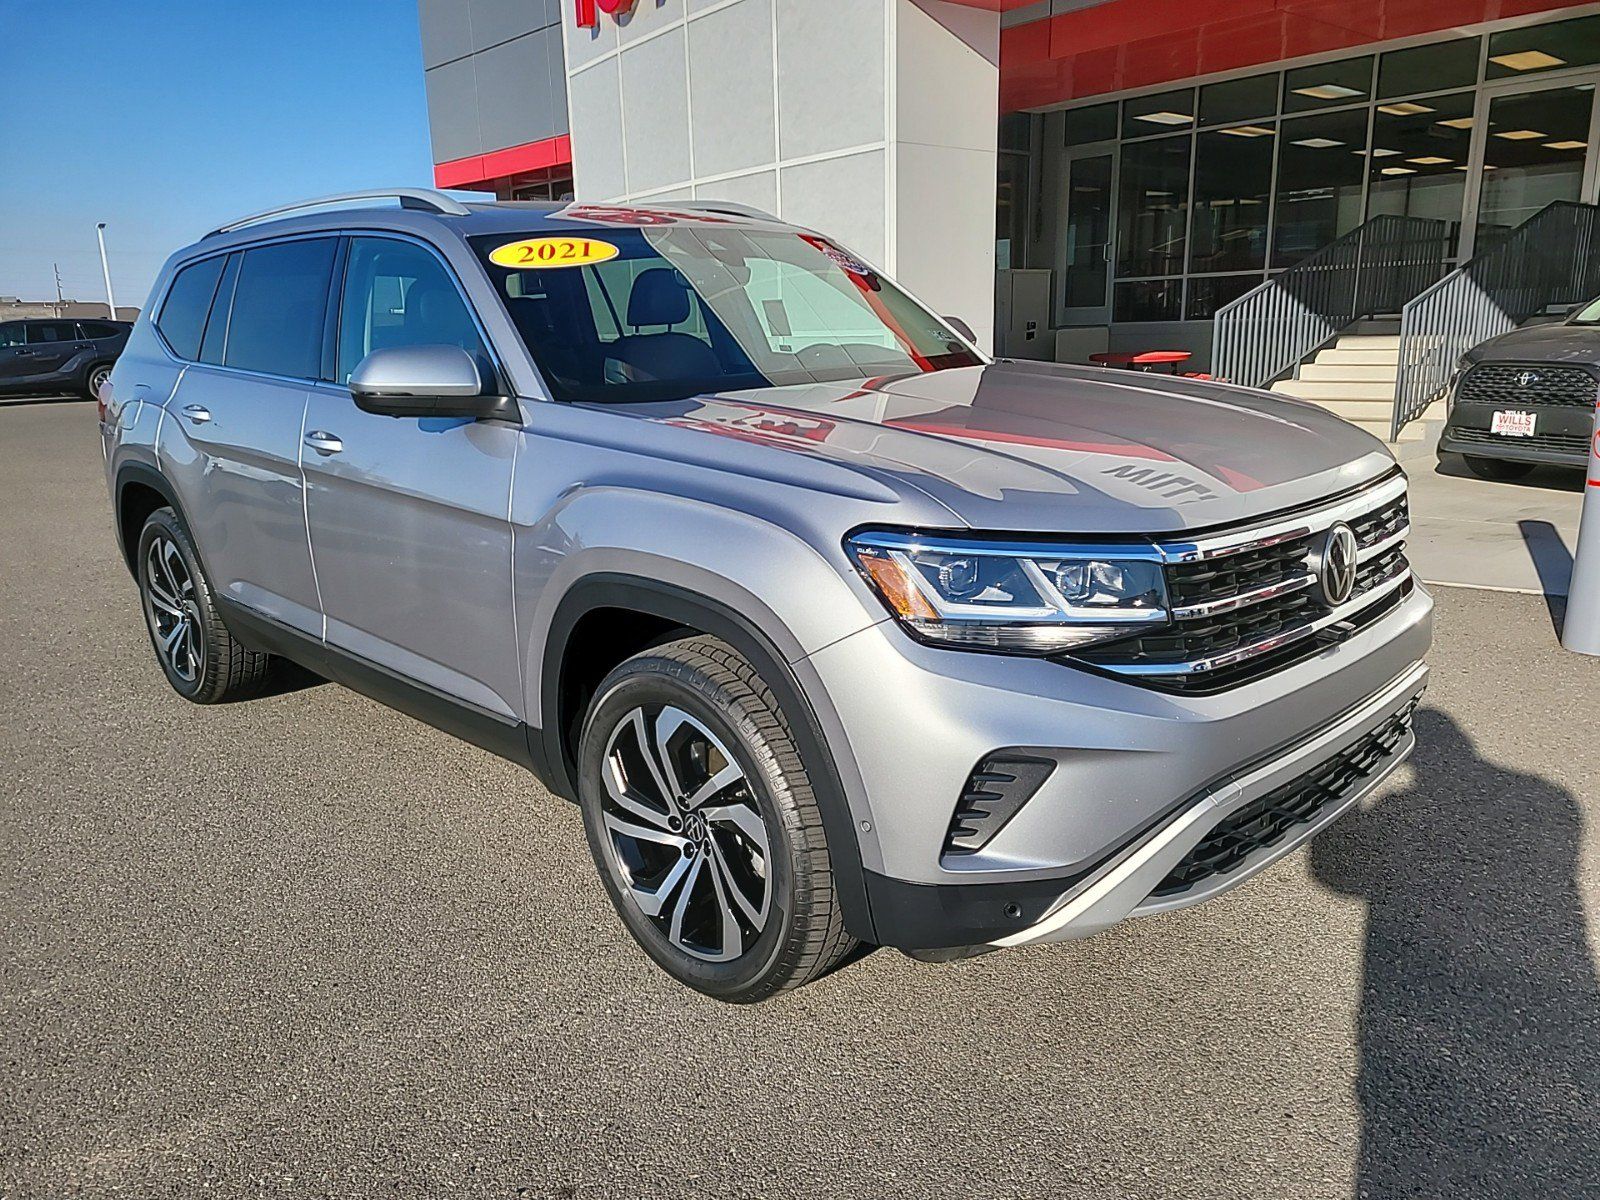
[[1165, 118], [1430, 160], [1381, 152], [1457, 123], [1564, 145], [1521, 135], [1247, 131], [1528, 60], [1327, 91], [1318, 143], [1406, 108], [1399, 171]]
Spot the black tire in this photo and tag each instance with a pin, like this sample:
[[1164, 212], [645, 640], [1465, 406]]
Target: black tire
[[92, 378], [1500, 470], [207, 665], [723, 699]]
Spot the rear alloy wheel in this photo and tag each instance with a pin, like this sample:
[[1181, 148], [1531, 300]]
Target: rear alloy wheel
[[98, 374], [1500, 470], [704, 826], [198, 654]]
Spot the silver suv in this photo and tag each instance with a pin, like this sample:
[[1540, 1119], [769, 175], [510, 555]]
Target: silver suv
[[837, 631]]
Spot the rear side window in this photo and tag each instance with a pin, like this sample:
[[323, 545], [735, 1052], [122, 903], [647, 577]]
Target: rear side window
[[11, 334], [98, 329], [279, 304], [50, 331], [183, 315], [398, 294]]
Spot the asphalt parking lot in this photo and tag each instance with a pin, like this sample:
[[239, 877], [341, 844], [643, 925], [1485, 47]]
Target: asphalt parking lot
[[306, 946]]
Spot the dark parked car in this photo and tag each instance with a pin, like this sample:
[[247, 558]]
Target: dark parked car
[[1527, 398], [49, 355]]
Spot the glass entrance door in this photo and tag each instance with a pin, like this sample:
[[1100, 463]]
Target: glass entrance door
[[1085, 273], [1536, 146]]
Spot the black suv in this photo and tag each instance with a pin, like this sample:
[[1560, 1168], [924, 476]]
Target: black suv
[[49, 355]]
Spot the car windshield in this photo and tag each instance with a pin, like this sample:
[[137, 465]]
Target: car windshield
[[1589, 314], [671, 310]]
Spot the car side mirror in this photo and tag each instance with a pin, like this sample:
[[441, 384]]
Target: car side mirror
[[425, 381], [962, 328]]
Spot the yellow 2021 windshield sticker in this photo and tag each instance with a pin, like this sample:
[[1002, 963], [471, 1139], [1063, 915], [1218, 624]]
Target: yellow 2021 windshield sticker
[[545, 252]]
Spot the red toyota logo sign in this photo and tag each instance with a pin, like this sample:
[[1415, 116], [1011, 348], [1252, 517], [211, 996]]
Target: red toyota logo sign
[[588, 11]]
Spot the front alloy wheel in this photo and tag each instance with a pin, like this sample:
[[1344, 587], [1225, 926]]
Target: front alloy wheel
[[703, 823], [685, 833]]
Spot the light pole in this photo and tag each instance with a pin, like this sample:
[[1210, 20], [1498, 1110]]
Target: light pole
[[105, 268]]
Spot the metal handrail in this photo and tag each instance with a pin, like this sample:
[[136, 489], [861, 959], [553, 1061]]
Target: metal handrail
[[425, 199], [1548, 260], [1373, 269]]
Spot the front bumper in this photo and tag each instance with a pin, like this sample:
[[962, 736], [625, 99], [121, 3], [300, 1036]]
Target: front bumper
[[1560, 439], [1141, 776]]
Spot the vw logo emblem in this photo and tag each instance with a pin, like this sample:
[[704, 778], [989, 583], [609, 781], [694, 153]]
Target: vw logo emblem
[[1527, 378], [1336, 565]]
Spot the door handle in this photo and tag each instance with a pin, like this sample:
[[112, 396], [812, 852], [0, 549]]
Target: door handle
[[196, 413], [323, 443]]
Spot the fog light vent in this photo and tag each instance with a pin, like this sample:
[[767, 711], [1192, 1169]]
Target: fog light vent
[[994, 793]]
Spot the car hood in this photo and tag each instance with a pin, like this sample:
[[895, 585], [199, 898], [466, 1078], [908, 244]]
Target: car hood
[[1559, 343], [1052, 448]]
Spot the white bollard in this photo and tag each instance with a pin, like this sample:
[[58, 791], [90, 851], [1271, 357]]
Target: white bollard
[[1581, 630]]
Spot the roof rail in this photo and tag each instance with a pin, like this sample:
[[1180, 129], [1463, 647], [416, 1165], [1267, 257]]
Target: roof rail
[[727, 207], [425, 199]]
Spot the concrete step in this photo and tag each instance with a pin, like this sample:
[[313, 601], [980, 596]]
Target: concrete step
[[1363, 358], [1346, 372], [1322, 389], [1368, 341]]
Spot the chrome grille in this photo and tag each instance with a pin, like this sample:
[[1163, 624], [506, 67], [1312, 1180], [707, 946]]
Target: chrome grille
[[1246, 602], [1520, 385]]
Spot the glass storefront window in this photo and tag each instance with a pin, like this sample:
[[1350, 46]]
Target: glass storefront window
[[1534, 154], [1148, 300], [1328, 85], [1418, 163], [1145, 115], [1097, 123], [1321, 163], [1239, 100], [1428, 68], [1544, 48], [1207, 293], [1232, 185], [1153, 206]]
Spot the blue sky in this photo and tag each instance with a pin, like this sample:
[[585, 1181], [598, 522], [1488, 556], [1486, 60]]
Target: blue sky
[[164, 118]]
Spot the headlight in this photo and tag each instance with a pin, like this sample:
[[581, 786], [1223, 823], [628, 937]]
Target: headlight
[[1025, 598]]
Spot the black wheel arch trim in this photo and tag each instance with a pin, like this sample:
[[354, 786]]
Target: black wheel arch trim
[[703, 614], [156, 482]]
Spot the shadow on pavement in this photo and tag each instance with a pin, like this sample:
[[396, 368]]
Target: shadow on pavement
[[1479, 1029], [1553, 561], [1547, 479]]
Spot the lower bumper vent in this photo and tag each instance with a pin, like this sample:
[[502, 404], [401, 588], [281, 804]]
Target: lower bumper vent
[[994, 793], [1267, 821]]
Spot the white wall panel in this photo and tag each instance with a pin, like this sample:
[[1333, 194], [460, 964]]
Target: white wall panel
[[832, 72], [655, 112], [730, 82]]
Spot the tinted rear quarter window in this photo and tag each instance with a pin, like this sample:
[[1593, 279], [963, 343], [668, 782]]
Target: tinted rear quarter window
[[278, 308], [98, 329], [183, 314], [50, 331]]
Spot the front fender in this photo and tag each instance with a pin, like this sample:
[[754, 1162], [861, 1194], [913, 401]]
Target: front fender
[[766, 591]]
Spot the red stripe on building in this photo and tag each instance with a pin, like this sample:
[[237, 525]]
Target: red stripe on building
[[479, 171], [1126, 44]]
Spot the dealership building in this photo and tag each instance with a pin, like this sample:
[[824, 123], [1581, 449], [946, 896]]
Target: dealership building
[[1333, 197]]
